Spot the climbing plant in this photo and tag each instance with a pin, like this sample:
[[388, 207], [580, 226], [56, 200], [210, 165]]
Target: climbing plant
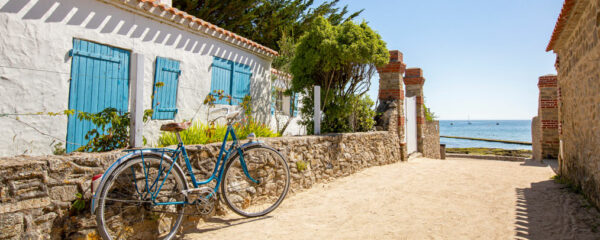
[[111, 132]]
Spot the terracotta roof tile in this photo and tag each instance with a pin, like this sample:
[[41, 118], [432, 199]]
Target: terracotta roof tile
[[184, 15], [561, 22]]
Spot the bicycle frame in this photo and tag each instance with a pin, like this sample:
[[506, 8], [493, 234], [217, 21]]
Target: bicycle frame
[[216, 174]]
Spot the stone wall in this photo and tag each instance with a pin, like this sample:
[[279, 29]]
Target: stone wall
[[36, 192], [431, 139], [391, 92], [548, 116], [536, 138], [578, 70]]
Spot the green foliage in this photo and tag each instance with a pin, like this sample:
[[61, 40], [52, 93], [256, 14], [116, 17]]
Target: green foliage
[[344, 114], [429, 115], [265, 21], [211, 98], [571, 186], [341, 59], [363, 115], [111, 132], [287, 51], [59, 149], [247, 106], [491, 151], [79, 203], [200, 133], [301, 165]]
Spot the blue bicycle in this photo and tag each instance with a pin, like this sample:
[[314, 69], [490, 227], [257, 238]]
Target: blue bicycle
[[143, 194]]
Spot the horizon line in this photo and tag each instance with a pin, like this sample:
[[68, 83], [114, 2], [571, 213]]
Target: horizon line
[[483, 119]]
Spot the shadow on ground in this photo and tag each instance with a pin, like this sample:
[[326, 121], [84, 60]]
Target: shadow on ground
[[548, 210], [214, 223]]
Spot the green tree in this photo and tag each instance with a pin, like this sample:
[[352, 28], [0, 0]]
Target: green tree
[[265, 21], [341, 59]]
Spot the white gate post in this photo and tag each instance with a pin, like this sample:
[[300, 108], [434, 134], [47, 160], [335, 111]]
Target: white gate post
[[136, 123], [317, 111]]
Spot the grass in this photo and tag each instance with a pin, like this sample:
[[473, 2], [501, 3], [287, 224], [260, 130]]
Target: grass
[[491, 151], [200, 133], [575, 188]]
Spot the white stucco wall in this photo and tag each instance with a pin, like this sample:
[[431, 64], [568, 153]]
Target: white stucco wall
[[35, 39]]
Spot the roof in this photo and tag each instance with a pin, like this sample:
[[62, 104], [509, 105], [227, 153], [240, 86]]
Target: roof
[[561, 22], [174, 15]]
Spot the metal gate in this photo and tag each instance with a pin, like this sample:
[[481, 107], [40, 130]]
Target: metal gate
[[410, 118], [99, 80]]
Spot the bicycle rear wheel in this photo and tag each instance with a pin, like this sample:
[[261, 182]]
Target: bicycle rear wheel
[[125, 207], [253, 199]]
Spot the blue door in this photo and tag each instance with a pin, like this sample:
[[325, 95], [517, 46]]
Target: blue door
[[99, 80]]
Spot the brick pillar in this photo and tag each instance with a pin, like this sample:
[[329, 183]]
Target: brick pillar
[[414, 80], [391, 90], [548, 116]]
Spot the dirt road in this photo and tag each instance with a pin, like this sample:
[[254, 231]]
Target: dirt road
[[425, 199]]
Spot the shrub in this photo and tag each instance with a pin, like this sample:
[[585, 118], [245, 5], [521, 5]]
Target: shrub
[[362, 118], [341, 59], [201, 133], [111, 132], [344, 114]]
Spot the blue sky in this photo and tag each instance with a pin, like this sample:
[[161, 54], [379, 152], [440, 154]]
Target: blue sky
[[480, 58]]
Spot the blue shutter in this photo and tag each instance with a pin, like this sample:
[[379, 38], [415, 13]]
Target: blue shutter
[[241, 83], [164, 102], [294, 105], [221, 78], [232, 78], [273, 100], [99, 80]]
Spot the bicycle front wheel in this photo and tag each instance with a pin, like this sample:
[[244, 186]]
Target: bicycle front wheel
[[261, 188], [125, 206]]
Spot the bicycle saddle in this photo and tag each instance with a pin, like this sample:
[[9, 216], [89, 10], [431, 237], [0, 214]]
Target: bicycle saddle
[[175, 127]]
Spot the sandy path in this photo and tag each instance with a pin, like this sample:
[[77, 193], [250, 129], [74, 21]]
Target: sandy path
[[424, 199]]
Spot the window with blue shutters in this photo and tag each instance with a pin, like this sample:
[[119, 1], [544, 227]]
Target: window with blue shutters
[[166, 79], [232, 78]]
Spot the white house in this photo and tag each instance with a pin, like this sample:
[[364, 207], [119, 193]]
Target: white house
[[89, 55]]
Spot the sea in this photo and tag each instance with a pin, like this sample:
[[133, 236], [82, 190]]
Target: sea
[[516, 130]]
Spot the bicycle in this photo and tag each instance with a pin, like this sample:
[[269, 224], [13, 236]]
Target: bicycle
[[143, 194]]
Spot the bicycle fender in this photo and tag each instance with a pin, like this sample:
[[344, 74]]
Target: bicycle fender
[[122, 160], [250, 144]]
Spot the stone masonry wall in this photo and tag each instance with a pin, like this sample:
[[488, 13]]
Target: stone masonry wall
[[536, 138], [36, 192], [578, 70], [391, 92], [431, 139], [548, 114]]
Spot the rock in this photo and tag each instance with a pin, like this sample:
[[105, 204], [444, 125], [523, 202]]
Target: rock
[[64, 193], [11, 226]]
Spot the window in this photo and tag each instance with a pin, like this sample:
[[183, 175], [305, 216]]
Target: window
[[294, 105], [279, 101], [287, 105], [232, 78], [164, 94]]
